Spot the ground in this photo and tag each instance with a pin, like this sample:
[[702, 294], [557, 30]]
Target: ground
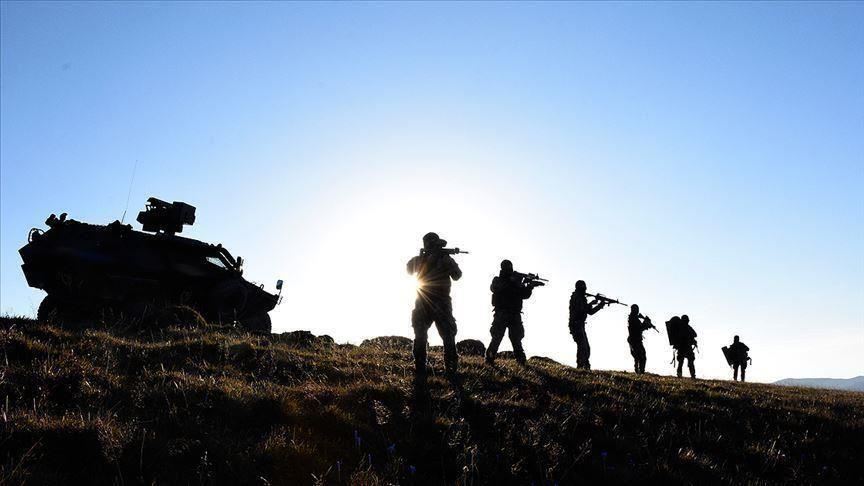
[[216, 406]]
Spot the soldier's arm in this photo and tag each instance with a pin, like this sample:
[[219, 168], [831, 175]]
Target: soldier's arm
[[595, 306], [526, 292], [455, 271], [497, 284], [412, 265]]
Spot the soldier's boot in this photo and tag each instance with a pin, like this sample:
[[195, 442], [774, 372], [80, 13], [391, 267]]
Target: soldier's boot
[[519, 353]]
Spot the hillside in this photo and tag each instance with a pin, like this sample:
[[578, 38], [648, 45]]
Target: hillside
[[212, 406], [849, 384]]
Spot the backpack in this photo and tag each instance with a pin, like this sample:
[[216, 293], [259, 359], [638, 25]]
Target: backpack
[[675, 331]]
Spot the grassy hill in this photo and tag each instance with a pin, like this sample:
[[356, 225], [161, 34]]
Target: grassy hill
[[214, 406]]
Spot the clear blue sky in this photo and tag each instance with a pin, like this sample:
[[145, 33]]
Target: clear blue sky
[[704, 158]]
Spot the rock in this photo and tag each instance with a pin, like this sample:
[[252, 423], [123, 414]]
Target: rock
[[241, 351], [471, 347], [302, 339], [389, 342], [544, 359]]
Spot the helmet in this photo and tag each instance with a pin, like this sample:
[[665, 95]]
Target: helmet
[[506, 266], [685, 318], [736, 339], [432, 240], [580, 285], [634, 309]]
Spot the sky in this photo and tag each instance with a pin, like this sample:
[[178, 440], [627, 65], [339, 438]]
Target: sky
[[694, 158]]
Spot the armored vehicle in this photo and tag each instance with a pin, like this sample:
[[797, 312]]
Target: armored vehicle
[[89, 269]]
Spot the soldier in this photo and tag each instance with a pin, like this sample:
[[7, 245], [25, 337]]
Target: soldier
[[636, 325], [580, 309], [684, 344], [509, 289], [738, 354], [434, 269]]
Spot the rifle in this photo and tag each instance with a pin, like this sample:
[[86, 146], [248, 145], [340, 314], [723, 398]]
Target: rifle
[[647, 321], [606, 300], [443, 251], [531, 279]]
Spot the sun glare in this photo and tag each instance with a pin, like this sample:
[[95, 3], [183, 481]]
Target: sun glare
[[415, 284]]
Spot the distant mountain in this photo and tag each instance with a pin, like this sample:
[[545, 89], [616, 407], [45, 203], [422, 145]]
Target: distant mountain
[[851, 384]]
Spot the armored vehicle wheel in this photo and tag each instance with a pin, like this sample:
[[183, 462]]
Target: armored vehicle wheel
[[257, 323], [48, 309], [55, 311], [229, 299]]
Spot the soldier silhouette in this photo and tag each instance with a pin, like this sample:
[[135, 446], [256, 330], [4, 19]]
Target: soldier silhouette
[[580, 309], [434, 269], [636, 325], [738, 356], [509, 289], [684, 341]]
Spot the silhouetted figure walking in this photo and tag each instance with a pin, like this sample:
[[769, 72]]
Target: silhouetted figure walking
[[736, 356], [509, 289], [580, 309], [636, 325], [682, 337], [434, 268]]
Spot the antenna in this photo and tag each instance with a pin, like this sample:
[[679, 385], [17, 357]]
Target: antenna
[[129, 194]]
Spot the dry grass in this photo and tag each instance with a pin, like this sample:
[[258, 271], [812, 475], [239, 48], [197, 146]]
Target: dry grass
[[213, 406]]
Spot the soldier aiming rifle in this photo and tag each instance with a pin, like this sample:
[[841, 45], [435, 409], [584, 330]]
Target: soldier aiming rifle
[[636, 325], [434, 268], [580, 309], [509, 289]]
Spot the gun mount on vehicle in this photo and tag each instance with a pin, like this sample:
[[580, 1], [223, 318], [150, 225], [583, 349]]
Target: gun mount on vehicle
[[88, 269]]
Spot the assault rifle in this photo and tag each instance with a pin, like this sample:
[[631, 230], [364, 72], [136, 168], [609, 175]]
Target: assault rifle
[[606, 300], [531, 279], [442, 251], [647, 321]]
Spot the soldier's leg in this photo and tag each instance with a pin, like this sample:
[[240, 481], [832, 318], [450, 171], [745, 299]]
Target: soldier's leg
[[734, 371], [420, 321], [587, 350], [634, 354], [582, 350], [743, 370], [680, 362], [446, 324], [691, 365], [516, 333], [499, 326], [641, 358]]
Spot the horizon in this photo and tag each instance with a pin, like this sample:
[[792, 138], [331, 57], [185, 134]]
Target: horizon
[[703, 160]]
